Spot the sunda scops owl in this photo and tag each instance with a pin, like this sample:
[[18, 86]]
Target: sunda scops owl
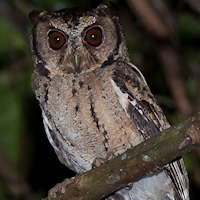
[[94, 101]]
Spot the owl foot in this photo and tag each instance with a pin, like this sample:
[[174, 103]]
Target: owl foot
[[59, 188], [129, 186], [98, 161]]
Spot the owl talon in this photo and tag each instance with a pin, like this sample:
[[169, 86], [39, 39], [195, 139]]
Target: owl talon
[[110, 156], [129, 186], [58, 189], [98, 161]]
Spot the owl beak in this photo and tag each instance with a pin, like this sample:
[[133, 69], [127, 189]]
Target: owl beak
[[76, 62]]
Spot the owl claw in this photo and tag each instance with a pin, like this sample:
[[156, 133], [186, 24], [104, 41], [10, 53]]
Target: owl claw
[[110, 156], [58, 189], [98, 161], [129, 186]]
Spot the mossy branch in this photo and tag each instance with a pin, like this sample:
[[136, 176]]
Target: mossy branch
[[146, 158]]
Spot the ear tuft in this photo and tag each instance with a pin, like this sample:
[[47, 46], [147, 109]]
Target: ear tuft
[[35, 15], [108, 7]]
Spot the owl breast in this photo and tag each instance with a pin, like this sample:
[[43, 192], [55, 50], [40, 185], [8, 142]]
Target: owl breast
[[87, 120]]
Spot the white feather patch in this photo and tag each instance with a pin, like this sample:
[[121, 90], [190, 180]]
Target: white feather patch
[[133, 66], [123, 97], [124, 100], [48, 126]]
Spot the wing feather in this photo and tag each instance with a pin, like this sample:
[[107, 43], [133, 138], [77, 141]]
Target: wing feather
[[140, 105]]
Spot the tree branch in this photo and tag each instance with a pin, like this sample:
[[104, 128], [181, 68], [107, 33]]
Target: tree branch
[[146, 158]]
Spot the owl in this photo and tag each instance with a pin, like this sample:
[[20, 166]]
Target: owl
[[94, 101]]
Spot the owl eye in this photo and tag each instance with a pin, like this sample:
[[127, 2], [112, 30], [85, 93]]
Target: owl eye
[[56, 39], [93, 36]]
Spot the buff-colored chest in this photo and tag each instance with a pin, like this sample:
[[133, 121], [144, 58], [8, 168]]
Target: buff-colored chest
[[88, 119]]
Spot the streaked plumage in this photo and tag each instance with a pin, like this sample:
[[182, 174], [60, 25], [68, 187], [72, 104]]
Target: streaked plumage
[[94, 101]]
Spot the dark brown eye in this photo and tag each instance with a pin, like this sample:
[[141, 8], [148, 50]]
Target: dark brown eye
[[93, 36], [56, 39]]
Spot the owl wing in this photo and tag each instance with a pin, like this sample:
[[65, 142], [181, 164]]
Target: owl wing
[[141, 107]]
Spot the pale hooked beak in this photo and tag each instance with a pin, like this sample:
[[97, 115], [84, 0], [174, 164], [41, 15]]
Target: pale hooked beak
[[77, 62]]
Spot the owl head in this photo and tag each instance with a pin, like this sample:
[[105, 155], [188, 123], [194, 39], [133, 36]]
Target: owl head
[[76, 40]]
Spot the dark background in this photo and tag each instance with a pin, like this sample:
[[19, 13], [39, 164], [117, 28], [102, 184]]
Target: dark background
[[163, 38]]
